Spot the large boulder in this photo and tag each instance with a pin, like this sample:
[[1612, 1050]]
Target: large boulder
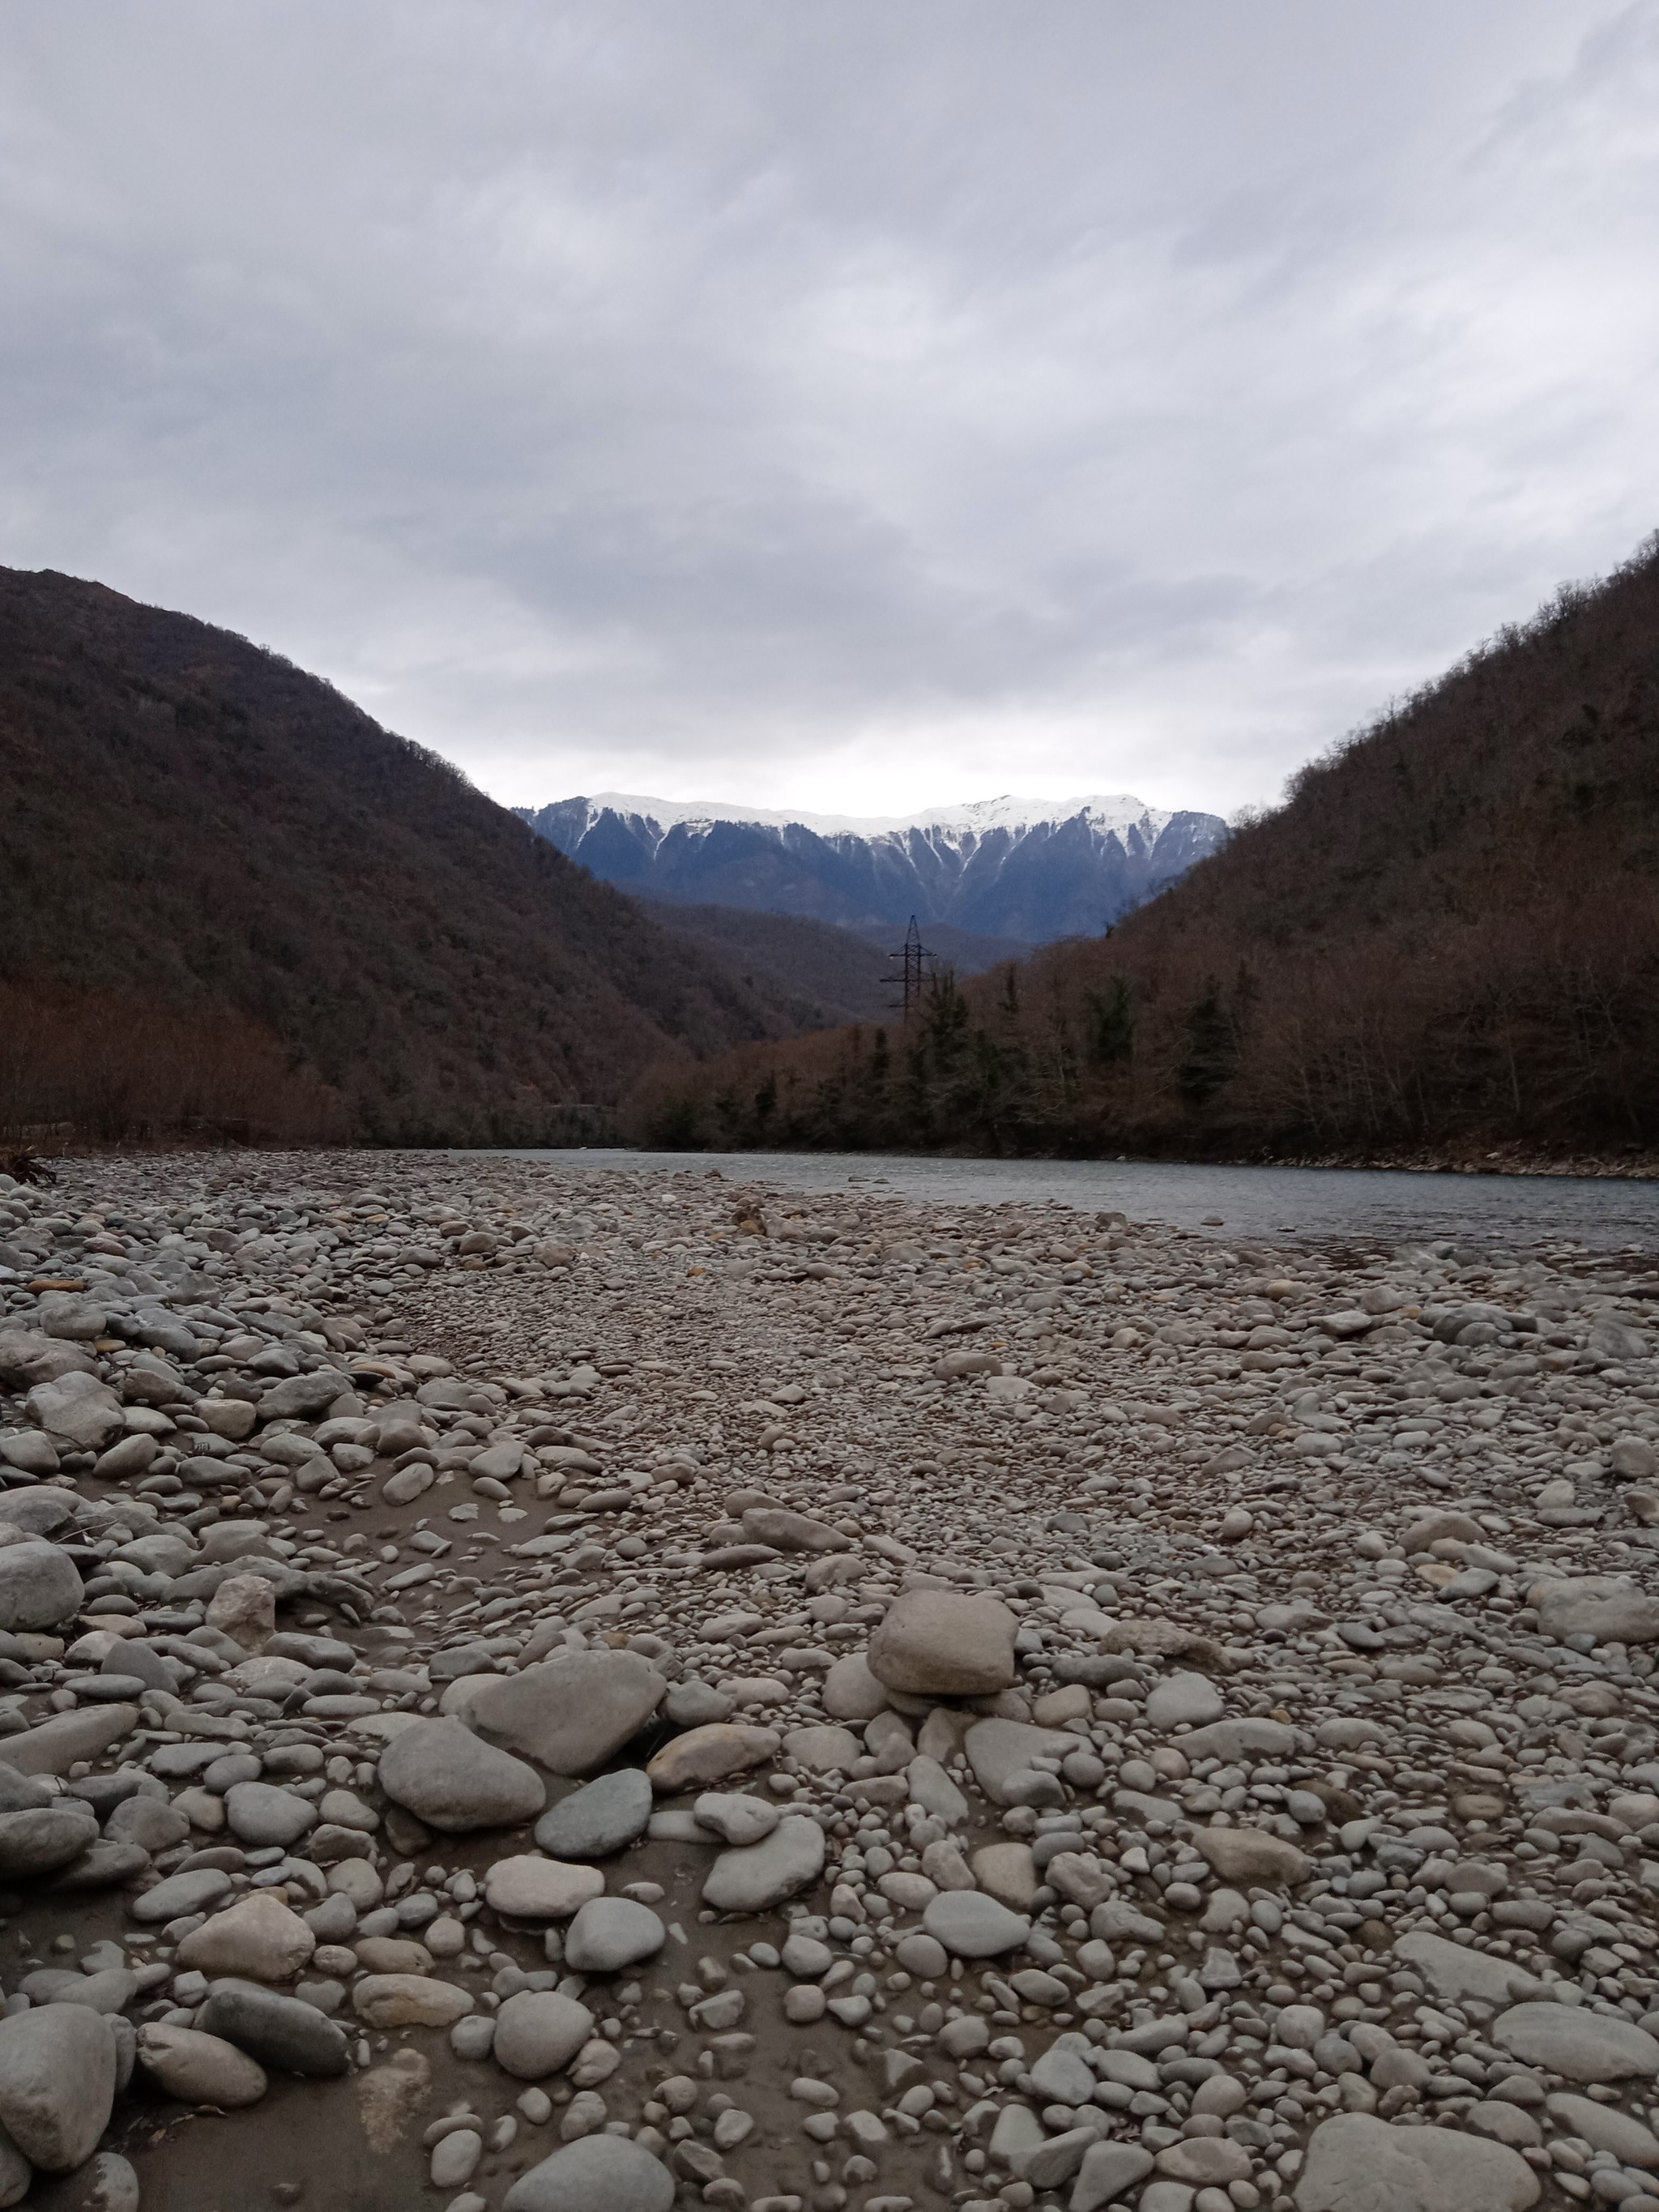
[[29, 1356], [54, 1746], [570, 1714], [304, 1397], [40, 1586], [57, 2066], [77, 1410], [1609, 1607], [940, 1643], [1357, 2164], [451, 1779], [1580, 2045]]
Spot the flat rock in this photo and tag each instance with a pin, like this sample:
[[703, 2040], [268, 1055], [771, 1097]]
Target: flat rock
[[197, 2069], [792, 1532], [973, 1925], [570, 1714], [1250, 1854], [1581, 2045], [532, 1888], [1190, 1698], [181, 1894], [603, 1817], [451, 1779], [707, 1754], [600, 2173], [1456, 1971], [59, 1744], [1604, 2127], [997, 1750], [1233, 1740], [940, 1643], [757, 1876], [1357, 2164], [1606, 1606], [409, 2001]]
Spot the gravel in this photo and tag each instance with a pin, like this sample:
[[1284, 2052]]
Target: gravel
[[1219, 1765]]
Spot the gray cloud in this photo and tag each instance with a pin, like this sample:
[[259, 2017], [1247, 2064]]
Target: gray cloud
[[846, 407]]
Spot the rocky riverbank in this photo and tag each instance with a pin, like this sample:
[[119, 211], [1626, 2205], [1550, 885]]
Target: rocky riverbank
[[532, 1690]]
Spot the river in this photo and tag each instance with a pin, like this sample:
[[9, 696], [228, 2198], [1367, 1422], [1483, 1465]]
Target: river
[[1496, 1213]]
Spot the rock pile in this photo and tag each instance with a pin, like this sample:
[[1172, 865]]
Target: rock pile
[[601, 1699]]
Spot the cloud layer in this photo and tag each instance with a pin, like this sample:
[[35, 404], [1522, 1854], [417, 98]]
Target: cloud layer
[[847, 407]]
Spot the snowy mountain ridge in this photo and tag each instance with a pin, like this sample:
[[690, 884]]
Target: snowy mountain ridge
[[1110, 814], [1024, 869]]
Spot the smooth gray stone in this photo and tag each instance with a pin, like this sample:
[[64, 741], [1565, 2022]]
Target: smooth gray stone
[[38, 1843], [755, 1876], [1356, 2163], [280, 2031], [603, 1817], [610, 1933], [1582, 2045], [570, 1714], [972, 1925], [39, 1585], [58, 2074], [600, 2173], [451, 1779]]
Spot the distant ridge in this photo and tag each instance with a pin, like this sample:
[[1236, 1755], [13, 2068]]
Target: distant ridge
[[1028, 870], [1445, 944], [231, 901]]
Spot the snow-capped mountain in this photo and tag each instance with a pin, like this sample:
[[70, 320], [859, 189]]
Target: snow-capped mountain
[[1034, 869]]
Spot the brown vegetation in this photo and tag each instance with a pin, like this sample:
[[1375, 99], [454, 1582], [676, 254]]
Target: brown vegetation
[[228, 900], [1449, 934]]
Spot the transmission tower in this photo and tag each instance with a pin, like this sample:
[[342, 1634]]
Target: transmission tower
[[915, 968]]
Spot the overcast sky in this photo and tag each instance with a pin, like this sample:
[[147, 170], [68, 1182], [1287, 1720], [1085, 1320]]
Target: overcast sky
[[847, 404]]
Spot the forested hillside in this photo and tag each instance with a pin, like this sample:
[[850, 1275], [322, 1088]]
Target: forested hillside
[[230, 901], [1448, 935]]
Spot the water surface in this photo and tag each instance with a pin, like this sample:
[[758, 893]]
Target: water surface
[[1495, 1213]]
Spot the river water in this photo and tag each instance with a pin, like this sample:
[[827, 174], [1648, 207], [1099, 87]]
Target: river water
[[1496, 1213]]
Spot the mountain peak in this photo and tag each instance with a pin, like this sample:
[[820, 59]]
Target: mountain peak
[[1034, 869]]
